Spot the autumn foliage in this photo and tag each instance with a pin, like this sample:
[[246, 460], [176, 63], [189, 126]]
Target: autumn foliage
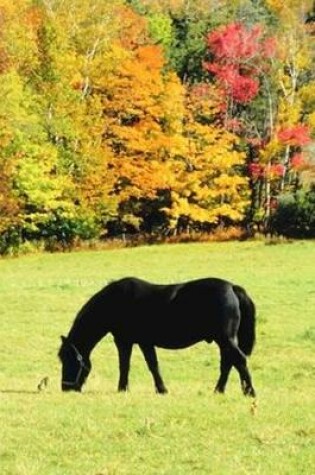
[[109, 128]]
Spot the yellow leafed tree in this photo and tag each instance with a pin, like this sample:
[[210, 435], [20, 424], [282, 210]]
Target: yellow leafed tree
[[207, 186]]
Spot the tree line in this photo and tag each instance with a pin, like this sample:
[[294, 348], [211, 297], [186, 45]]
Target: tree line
[[154, 118]]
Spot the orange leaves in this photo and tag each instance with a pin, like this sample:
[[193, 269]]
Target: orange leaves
[[34, 17], [163, 139], [151, 57], [298, 135], [140, 127], [132, 27]]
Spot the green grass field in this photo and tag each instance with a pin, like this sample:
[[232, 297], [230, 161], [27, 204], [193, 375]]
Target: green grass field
[[189, 431]]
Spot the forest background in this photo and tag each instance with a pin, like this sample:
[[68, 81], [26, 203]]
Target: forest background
[[155, 119]]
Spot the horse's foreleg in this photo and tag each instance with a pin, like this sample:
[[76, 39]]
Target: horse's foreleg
[[150, 356], [124, 354]]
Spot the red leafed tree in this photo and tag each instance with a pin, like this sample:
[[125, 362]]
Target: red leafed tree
[[241, 88], [239, 57]]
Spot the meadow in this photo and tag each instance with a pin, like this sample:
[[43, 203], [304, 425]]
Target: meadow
[[191, 430]]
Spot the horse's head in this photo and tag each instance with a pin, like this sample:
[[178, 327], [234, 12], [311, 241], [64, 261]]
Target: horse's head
[[75, 369]]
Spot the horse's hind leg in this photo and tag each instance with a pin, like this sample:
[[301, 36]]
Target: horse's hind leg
[[150, 356], [225, 368], [231, 355], [124, 354], [245, 377]]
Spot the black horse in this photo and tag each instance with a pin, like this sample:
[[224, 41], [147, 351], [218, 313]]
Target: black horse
[[170, 316]]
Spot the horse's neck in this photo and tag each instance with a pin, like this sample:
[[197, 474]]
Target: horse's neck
[[90, 324], [84, 338]]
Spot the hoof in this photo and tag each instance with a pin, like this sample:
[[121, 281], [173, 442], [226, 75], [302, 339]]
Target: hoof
[[219, 391], [161, 390], [250, 392]]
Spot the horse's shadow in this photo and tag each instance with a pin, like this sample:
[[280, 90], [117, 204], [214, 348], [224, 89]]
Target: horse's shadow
[[19, 391]]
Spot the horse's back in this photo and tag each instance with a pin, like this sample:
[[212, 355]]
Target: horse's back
[[172, 315], [170, 298]]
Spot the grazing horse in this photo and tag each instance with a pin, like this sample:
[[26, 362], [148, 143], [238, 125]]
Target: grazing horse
[[169, 316]]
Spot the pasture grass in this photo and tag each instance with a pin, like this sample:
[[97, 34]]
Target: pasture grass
[[190, 430]]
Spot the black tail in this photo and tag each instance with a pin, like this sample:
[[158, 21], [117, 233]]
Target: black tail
[[247, 330]]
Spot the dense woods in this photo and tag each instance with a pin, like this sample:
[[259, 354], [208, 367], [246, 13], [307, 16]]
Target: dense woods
[[155, 119]]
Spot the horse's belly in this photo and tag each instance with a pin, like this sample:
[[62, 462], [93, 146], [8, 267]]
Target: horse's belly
[[173, 337], [176, 344]]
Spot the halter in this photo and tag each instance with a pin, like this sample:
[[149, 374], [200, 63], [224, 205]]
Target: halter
[[81, 367]]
